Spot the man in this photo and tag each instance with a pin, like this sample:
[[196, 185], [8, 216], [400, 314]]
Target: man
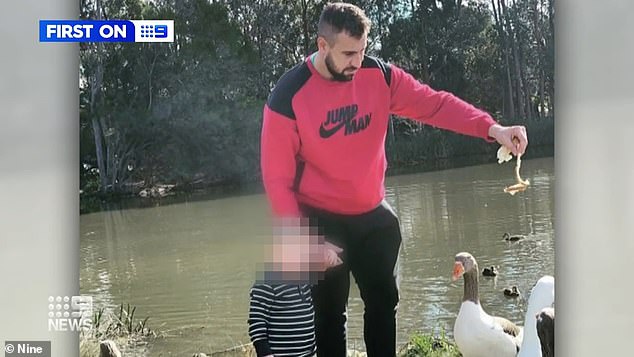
[[323, 157]]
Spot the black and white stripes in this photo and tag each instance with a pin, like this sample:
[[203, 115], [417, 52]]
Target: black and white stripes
[[281, 320]]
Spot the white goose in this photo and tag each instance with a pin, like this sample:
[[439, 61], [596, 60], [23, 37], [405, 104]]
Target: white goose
[[542, 296], [478, 334]]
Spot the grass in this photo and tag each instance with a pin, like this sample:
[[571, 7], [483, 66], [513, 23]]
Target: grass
[[121, 326], [429, 346], [132, 335], [419, 345]]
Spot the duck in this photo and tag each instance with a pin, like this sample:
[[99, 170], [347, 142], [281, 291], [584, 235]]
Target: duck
[[513, 291], [546, 331], [478, 334], [542, 296], [492, 271], [512, 238]]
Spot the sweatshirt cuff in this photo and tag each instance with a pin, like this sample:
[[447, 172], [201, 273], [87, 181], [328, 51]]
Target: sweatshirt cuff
[[262, 348], [484, 126]]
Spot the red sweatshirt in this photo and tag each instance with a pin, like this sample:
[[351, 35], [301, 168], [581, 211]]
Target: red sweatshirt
[[323, 141]]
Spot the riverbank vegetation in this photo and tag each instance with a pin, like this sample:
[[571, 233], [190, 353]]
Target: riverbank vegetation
[[120, 329], [119, 332]]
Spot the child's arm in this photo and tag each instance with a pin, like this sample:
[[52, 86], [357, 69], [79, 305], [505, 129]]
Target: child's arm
[[259, 317]]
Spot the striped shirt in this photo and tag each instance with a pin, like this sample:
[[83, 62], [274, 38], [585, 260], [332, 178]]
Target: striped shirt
[[281, 320]]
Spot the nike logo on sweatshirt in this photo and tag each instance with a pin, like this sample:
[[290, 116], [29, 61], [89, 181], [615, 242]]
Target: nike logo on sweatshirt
[[344, 117]]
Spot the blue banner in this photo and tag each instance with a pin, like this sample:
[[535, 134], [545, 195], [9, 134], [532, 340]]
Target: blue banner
[[87, 31]]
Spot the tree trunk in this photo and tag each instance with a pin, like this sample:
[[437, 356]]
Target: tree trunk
[[507, 66], [305, 27], [551, 32], [380, 20], [150, 75], [458, 8], [541, 112], [106, 133], [519, 96], [95, 95], [525, 85], [96, 130], [538, 33], [425, 74]]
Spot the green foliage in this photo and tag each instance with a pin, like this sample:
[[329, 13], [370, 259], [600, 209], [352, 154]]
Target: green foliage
[[121, 326], [430, 346]]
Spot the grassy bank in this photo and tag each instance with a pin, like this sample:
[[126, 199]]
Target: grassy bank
[[419, 345], [132, 337], [429, 346], [121, 327]]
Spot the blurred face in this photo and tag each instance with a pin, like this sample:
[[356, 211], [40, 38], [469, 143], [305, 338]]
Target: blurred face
[[289, 255], [344, 57], [295, 253]]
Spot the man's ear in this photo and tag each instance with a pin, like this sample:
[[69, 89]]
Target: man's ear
[[322, 44]]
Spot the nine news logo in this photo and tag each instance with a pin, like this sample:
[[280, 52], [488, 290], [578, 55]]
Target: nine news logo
[[70, 313], [107, 31]]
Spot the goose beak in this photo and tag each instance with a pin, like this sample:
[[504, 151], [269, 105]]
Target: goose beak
[[458, 270]]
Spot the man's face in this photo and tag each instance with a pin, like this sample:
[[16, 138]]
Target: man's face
[[344, 57]]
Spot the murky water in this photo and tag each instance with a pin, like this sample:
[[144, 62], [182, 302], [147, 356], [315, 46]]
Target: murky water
[[189, 266]]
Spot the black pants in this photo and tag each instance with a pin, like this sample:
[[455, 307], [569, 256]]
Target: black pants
[[371, 243]]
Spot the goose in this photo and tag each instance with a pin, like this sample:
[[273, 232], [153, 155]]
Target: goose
[[546, 331], [478, 334], [512, 292], [492, 271], [512, 238], [542, 296]]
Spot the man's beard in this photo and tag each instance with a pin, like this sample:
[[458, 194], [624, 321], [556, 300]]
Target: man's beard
[[338, 76]]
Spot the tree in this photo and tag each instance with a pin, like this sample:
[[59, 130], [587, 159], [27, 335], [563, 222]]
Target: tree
[[189, 112]]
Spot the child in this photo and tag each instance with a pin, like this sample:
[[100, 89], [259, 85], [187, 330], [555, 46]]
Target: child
[[281, 314]]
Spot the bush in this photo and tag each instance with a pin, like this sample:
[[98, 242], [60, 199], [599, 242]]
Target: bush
[[430, 346]]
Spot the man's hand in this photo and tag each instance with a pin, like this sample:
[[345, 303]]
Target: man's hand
[[505, 135]]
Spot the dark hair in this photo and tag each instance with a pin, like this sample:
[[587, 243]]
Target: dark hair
[[340, 16]]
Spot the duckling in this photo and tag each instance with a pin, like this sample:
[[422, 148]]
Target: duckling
[[512, 238], [492, 271], [512, 292]]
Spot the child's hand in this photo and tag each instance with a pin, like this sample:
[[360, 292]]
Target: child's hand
[[331, 255]]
